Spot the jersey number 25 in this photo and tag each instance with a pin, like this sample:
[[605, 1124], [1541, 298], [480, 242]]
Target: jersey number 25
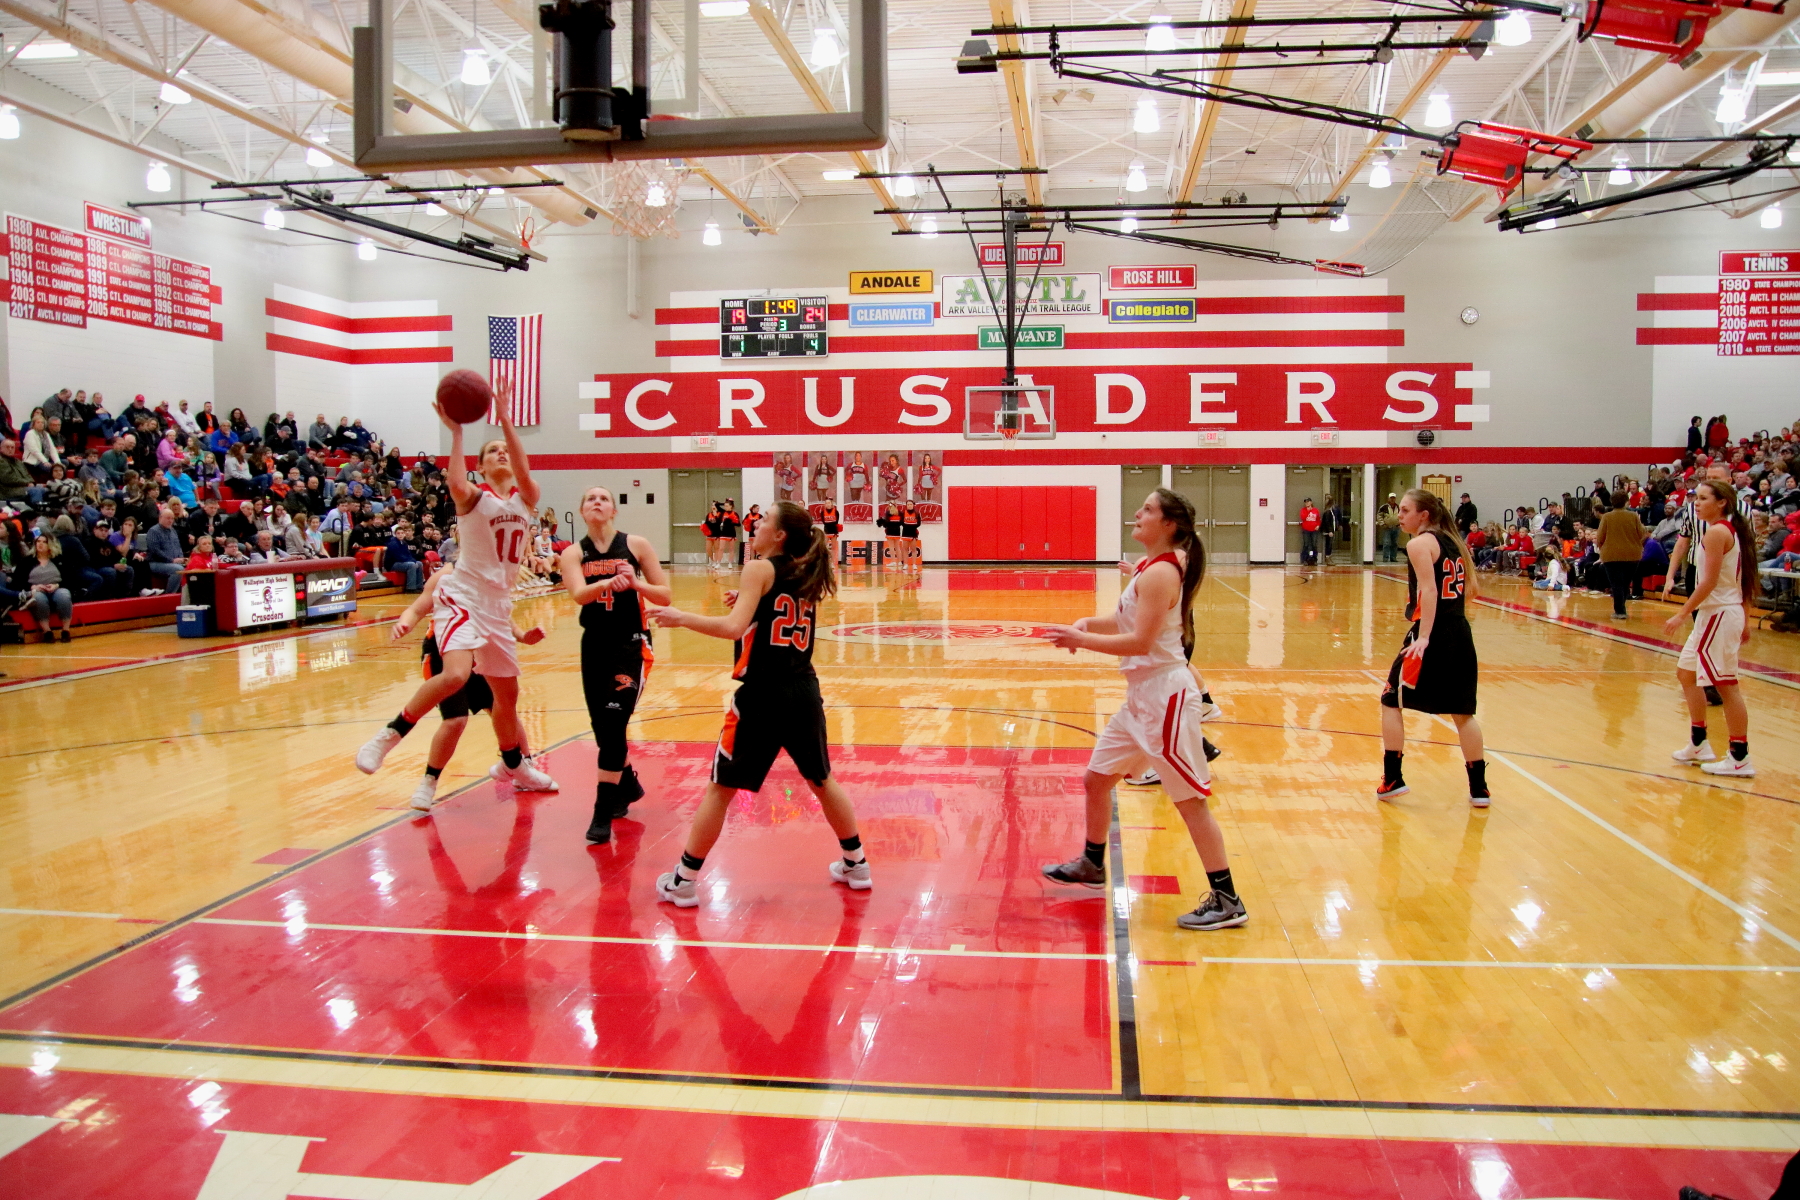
[[793, 623]]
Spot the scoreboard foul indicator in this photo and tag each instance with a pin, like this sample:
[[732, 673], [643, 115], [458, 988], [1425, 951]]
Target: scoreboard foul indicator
[[773, 327]]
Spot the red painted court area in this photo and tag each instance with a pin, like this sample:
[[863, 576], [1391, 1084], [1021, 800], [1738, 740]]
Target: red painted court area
[[491, 932], [168, 1139]]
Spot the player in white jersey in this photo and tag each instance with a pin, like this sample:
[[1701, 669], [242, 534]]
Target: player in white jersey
[[1152, 633], [1720, 603], [472, 613]]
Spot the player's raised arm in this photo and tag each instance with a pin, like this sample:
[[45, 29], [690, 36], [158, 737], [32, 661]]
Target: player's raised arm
[[456, 465], [515, 450]]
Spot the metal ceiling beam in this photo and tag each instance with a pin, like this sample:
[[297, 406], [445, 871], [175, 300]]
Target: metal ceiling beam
[[112, 139], [698, 166], [1021, 98], [1241, 10], [1413, 95], [770, 24]]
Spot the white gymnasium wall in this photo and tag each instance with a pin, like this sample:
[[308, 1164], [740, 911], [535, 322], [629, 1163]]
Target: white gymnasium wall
[[645, 513], [119, 361]]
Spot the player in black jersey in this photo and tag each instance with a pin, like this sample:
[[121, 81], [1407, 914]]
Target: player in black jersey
[[1436, 670], [909, 536], [777, 706], [611, 574]]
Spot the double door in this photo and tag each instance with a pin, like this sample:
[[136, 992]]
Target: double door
[[1029, 524], [1221, 500], [691, 495], [1326, 486]]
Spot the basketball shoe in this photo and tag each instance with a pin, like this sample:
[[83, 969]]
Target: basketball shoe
[[1730, 766], [1077, 870], [498, 774], [685, 894], [425, 794], [1390, 788], [856, 877], [1216, 911], [1691, 755], [1148, 779], [369, 758]]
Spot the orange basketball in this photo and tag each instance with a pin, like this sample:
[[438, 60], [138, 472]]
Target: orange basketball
[[465, 396]]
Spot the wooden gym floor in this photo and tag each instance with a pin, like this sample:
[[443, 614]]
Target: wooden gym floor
[[220, 940]]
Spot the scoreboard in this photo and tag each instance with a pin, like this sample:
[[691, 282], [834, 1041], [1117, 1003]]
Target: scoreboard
[[773, 327]]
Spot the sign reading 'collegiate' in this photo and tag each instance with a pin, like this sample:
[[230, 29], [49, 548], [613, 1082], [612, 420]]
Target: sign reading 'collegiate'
[[1140, 312], [1151, 398], [871, 283], [1124, 279]]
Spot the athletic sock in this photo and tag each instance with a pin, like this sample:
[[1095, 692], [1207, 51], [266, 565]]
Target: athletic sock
[[401, 725], [1477, 777], [434, 772], [1206, 697], [1220, 881], [512, 758], [1740, 749], [852, 848], [689, 868], [1096, 853], [1390, 764], [1698, 734]]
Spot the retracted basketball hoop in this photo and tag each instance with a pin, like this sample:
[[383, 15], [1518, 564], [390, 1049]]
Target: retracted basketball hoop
[[1483, 152], [1672, 27]]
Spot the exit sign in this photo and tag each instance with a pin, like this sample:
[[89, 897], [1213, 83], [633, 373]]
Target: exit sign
[[1031, 337]]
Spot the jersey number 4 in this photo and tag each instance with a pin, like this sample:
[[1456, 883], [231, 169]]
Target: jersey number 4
[[507, 549], [793, 623], [1454, 581]]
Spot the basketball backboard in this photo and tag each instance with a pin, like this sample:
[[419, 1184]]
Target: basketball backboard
[[1028, 409], [722, 77]]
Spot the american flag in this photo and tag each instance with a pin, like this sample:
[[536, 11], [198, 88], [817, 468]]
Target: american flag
[[515, 352]]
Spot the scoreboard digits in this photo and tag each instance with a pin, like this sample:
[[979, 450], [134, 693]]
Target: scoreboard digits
[[773, 327]]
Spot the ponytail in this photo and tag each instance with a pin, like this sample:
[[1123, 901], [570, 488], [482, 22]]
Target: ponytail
[[1438, 513], [1749, 579], [1176, 508], [810, 567]]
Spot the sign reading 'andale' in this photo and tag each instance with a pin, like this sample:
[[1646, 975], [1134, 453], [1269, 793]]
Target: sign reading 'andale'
[[876, 283]]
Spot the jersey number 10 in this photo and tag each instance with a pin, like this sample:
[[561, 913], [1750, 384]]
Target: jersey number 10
[[505, 551]]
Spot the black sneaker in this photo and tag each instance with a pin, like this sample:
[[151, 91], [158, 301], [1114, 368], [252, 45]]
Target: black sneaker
[[1712, 696], [629, 792], [1078, 871], [1694, 1193], [1390, 788], [1216, 911], [1211, 750]]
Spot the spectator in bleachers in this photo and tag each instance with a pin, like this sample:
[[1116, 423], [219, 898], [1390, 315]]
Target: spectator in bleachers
[[318, 437], [59, 489], [240, 426], [1467, 516], [266, 550], [181, 486], [163, 550], [1553, 573], [135, 412], [79, 575], [220, 441], [15, 477], [184, 420], [202, 557], [237, 470], [231, 554], [400, 557], [42, 448], [116, 461], [47, 595], [206, 418]]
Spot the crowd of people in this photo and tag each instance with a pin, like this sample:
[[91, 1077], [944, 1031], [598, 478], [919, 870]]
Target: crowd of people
[[1621, 537], [95, 506]]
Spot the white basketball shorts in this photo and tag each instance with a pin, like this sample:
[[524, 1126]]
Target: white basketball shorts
[[1159, 726], [480, 623], [1711, 651]]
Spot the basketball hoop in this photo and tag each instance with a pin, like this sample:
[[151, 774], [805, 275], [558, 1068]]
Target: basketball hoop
[[1009, 432]]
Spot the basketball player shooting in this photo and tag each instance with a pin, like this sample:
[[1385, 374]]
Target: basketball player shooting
[[472, 614]]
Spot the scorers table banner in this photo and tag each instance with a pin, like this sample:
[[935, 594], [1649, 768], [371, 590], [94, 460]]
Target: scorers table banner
[[1259, 397]]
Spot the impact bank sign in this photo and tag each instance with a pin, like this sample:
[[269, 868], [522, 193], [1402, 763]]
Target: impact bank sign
[[1048, 294]]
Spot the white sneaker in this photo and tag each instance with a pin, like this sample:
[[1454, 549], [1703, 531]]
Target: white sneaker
[[1212, 712], [1147, 779], [1730, 766], [857, 877], [682, 895], [498, 774], [1702, 753], [526, 777], [368, 759], [425, 795]]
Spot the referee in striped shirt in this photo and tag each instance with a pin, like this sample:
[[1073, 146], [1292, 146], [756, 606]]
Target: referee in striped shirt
[[1688, 540]]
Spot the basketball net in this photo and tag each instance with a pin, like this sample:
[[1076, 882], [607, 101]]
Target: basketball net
[[1009, 433]]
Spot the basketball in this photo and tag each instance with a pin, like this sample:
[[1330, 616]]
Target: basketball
[[464, 396]]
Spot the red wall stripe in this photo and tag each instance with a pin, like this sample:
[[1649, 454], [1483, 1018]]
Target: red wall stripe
[[1677, 301], [325, 320], [1208, 305], [1136, 339], [357, 358], [1703, 335]]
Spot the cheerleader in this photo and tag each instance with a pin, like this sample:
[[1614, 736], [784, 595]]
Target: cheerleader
[[1720, 605], [710, 527], [787, 477], [729, 524], [824, 481], [1436, 670], [893, 479], [1152, 633], [856, 477], [909, 536], [929, 477], [891, 524], [752, 519], [777, 706], [829, 522], [610, 575]]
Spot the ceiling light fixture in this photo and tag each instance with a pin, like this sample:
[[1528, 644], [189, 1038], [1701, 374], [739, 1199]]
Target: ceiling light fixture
[[1621, 170], [1550, 224], [1379, 175], [838, 175], [1437, 111], [1160, 36], [928, 227], [1340, 223], [1771, 217], [435, 210], [656, 195], [1514, 29], [317, 158], [1778, 79], [711, 236], [475, 71], [43, 50], [1734, 105], [1129, 224], [1134, 178], [906, 186], [168, 93], [273, 218], [365, 250], [1146, 119], [724, 8], [9, 122], [156, 179], [494, 191], [825, 49]]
